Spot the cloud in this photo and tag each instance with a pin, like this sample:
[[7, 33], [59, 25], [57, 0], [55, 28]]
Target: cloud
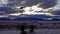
[[49, 3], [45, 3], [55, 12], [26, 3], [3, 1], [7, 10]]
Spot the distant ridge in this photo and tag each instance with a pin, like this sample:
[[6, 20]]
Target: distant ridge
[[28, 19]]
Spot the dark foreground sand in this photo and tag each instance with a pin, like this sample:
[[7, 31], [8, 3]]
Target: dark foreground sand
[[37, 31]]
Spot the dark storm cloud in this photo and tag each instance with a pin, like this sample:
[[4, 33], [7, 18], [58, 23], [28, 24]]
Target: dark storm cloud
[[55, 12], [45, 3], [49, 3], [7, 10]]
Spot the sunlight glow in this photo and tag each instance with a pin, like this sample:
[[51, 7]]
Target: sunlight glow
[[31, 10], [3, 16], [35, 8], [15, 14]]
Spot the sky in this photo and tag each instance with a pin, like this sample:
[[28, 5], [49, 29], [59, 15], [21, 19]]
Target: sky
[[31, 1], [58, 4], [46, 4]]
